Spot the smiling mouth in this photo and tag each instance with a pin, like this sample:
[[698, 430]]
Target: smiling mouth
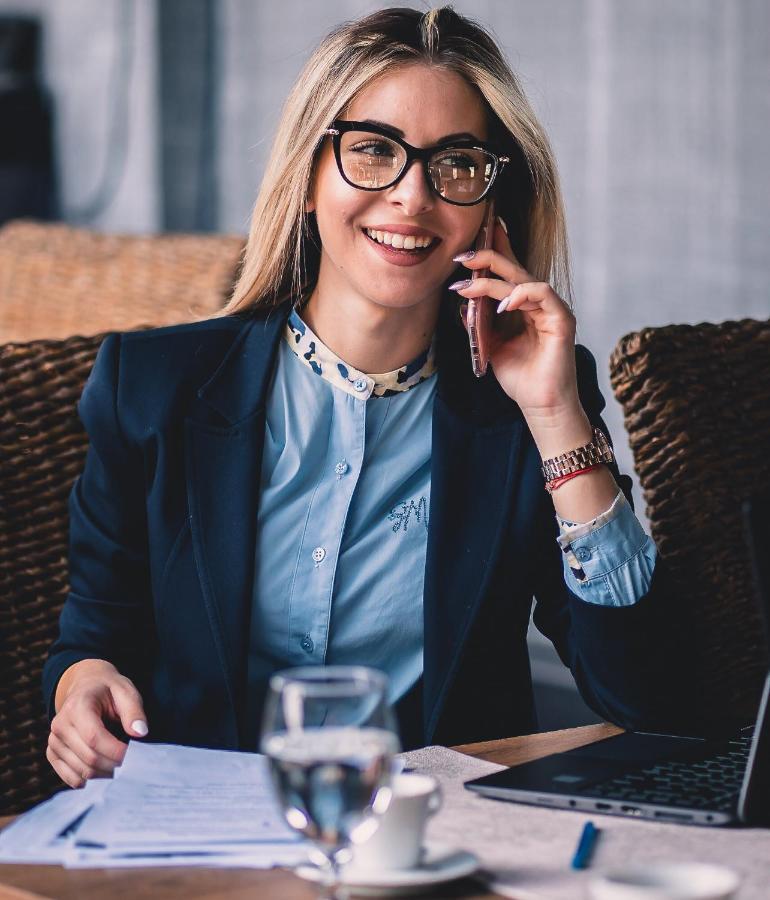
[[410, 245]]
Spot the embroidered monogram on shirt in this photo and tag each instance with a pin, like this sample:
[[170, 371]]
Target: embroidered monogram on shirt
[[401, 513]]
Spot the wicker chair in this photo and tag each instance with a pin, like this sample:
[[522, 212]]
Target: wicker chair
[[696, 400], [56, 281], [42, 448]]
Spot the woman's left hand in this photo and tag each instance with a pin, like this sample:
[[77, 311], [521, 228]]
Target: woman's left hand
[[533, 344]]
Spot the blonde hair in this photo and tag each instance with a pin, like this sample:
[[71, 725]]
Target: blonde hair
[[282, 253]]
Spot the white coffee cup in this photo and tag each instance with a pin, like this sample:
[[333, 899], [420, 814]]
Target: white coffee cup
[[666, 881], [396, 843]]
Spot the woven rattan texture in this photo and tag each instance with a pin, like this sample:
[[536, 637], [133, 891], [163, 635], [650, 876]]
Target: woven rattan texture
[[696, 400], [42, 449], [57, 281]]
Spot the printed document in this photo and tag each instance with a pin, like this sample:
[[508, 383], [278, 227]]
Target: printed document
[[166, 805], [168, 797]]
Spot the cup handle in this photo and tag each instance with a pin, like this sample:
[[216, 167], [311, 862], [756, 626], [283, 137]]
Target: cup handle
[[435, 801]]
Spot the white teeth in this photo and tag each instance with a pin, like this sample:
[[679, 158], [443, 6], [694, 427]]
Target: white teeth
[[400, 241]]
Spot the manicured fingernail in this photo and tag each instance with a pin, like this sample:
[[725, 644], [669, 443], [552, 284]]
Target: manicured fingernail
[[502, 224], [464, 257], [139, 727], [460, 285], [503, 305]]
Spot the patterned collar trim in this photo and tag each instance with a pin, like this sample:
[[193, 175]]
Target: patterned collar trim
[[313, 353]]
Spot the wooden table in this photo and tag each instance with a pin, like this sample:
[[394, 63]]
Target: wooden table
[[193, 883]]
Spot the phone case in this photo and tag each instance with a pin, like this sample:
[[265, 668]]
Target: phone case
[[480, 311]]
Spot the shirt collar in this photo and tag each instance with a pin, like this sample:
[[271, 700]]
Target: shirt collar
[[312, 352]]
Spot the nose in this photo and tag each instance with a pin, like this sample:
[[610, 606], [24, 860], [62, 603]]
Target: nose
[[412, 193]]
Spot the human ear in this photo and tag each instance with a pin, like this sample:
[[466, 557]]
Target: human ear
[[310, 204]]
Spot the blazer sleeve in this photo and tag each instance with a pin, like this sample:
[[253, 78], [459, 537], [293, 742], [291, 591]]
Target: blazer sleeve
[[107, 613], [629, 662]]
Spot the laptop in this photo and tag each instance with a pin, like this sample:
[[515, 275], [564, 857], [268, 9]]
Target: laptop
[[694, 781]]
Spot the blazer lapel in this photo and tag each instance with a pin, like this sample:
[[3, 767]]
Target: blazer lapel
[[475, 468], [223, 453]]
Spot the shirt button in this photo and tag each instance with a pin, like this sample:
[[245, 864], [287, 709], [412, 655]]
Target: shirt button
[[340, 468], [360, 384], [307, 644], [583, 553], [319, 554]]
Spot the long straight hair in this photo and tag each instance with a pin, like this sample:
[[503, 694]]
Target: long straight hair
[[283, 251]]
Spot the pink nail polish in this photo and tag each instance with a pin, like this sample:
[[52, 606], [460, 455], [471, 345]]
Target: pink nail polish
[[460, 285], [464, 257], [503, 305]]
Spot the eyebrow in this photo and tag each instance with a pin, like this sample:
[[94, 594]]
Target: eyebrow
[[457, 136]]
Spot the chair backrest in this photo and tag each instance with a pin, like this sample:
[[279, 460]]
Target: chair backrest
[[696, 400], [42, 449], [56, 281]]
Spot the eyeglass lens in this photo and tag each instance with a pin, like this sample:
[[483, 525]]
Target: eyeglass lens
[[373, 161]]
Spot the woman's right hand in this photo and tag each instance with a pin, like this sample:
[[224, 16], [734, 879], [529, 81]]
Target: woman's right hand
[[90, 693]]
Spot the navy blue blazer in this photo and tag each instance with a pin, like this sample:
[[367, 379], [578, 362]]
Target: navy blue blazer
[[162, 538]]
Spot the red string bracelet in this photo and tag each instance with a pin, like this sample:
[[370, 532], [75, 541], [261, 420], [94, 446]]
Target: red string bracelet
[[551, 486]]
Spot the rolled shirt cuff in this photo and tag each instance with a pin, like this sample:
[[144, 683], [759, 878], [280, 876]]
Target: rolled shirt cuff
[[610, 560]]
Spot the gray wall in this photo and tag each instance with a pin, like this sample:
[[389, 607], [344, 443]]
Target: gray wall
[[100, 65], [658, 111]]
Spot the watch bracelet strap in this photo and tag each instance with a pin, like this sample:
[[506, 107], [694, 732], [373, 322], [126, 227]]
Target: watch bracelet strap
[[597, 451]]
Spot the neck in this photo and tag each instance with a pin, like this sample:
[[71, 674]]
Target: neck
[[370, 337]]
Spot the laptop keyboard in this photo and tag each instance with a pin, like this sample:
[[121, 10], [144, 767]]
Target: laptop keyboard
[[710, 783]]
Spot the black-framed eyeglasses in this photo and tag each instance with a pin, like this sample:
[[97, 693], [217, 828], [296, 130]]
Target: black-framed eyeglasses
[[372, 158]]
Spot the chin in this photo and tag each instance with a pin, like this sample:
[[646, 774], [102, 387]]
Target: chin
[[403, 291]]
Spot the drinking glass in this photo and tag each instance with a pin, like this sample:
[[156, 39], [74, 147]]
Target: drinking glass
[[330, 736]]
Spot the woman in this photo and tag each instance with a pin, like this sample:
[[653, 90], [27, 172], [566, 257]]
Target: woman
[[254, 497]]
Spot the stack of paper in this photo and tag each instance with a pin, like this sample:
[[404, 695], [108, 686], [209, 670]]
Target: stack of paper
[[167, 805]]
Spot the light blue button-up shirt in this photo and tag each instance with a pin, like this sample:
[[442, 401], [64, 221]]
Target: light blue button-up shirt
[[343, 514], [343, 519]]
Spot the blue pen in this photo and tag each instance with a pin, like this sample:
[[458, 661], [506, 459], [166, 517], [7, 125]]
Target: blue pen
[[585, 846]]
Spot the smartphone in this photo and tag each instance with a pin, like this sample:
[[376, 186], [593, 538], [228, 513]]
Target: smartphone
[[481, 310]]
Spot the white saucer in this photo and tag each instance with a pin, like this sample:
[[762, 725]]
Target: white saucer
[[439, 864]]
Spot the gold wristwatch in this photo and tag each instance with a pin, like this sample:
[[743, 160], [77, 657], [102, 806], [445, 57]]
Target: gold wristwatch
[[597, 451]]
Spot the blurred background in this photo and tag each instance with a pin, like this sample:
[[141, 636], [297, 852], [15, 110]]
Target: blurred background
[[148, 116]]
